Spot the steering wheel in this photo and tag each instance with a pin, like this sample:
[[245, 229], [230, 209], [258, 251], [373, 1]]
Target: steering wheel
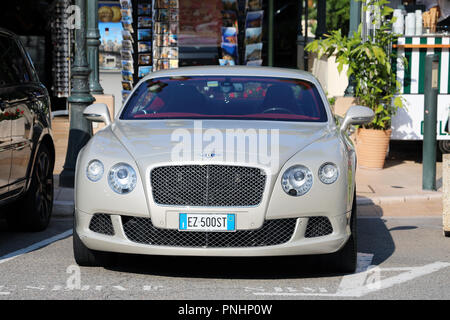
[[269, 110], [141, 112]]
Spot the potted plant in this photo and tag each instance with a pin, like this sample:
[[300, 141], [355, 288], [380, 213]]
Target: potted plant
[[376, 86]]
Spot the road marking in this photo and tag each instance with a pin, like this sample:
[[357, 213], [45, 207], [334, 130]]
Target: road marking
[[35, 246], [4, 293], [366, 279], [361, 289], [364, 260]]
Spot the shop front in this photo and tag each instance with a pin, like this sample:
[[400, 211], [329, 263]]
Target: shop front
[[144, 36], [423, 30], [41, 28], [141, 36]]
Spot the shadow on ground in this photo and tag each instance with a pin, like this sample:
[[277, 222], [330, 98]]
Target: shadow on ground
[[400, 151], [12, 241]]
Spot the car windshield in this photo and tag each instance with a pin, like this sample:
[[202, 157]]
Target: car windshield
[[223, 97]]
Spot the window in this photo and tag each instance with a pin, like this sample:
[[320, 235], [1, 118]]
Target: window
[[13, 66], [226, 97]]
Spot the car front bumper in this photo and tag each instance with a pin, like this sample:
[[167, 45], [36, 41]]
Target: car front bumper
[[297, 245]]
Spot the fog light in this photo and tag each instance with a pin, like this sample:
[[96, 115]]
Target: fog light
[[94, 170], [328, 173]]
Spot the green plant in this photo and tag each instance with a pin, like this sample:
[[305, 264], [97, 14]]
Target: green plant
[[332, 101], [370, 64]]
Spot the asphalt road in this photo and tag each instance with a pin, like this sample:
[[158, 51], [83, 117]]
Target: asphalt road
[[402, 258]]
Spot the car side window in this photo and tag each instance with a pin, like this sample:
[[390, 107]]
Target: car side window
[[13, 66]]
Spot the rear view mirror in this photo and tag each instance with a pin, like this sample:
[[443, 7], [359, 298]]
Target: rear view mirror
[[357, 115], [98, 112]]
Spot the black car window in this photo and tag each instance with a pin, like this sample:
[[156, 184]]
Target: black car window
[[226, 97], [13, 66]]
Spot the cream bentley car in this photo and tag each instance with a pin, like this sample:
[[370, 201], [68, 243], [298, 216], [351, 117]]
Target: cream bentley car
[[219, 161]]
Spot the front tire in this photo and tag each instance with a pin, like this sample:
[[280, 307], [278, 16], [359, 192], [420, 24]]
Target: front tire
[[86, 257], [444, 146], [33, 211]]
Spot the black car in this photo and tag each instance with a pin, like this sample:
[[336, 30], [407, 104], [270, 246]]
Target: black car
[[27, 152]]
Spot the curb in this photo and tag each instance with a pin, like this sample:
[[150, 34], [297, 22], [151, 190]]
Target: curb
[[363, 201]]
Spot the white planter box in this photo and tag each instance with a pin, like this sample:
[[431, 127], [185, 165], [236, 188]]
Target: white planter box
[[18, 127], [5, 130], [326, 71]]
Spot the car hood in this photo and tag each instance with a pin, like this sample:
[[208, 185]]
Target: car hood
[[154, 141]]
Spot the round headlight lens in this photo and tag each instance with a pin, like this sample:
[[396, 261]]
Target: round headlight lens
[[122, 178], [328, 173], [94, 170], [297, 180]]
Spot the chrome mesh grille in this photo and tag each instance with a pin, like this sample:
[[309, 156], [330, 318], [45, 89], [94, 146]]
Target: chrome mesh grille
[[317, 227], [273, 232], [207, 185], [101, 223]]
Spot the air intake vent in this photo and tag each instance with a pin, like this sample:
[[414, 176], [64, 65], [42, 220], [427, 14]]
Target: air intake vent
[[318, 227], [101, 223], [273, 232]]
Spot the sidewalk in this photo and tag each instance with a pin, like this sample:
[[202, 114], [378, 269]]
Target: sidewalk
[[395, 190], [63, 200]]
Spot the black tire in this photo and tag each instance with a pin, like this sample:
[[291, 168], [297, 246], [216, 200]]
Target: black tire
[[86, 257], [32, 212], [444, 146], [345, 260]]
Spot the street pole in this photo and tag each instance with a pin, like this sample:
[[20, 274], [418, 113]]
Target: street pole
[[80, 128], [93, 42], [321, 19], [305, 53], [355, 17], [430, 122], [355, 20], [271, 17]]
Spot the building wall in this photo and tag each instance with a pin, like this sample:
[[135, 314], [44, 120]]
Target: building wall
[[111, 82]]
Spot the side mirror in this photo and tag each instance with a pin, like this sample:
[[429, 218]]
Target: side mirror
[[357, 115], [98, 112]]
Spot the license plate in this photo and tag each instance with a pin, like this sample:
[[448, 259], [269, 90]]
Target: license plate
[[207, 222]]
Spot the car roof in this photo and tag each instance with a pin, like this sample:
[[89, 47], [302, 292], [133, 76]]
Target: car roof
[[234, 71]]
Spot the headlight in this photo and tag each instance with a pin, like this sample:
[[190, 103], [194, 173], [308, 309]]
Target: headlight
[[297, 180], [328, 173], [94, 170], [122, 178]]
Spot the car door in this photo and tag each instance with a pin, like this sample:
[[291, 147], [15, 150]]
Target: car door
[[8, 81], [24, 101], [5, 142]]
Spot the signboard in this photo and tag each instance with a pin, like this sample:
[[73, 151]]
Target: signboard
[[407, 124], [110, 28]]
